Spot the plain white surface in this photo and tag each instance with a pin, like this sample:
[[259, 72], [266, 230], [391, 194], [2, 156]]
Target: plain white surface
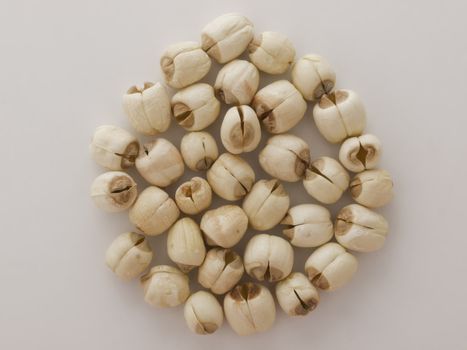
[[64, 66]]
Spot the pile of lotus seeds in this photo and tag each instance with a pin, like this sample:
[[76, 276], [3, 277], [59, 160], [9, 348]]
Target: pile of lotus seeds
[[339, 116]]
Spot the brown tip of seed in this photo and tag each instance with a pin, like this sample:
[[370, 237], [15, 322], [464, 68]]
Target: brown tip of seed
[[287, 220], [220, 94], [289, 233], [325, 87], [311, 272], [167, 66], [301, 162], [274, 274], [356, 187], [305, 306], [276, 188], [129, 155], [245, 291], [206, 328], [185, 118], [320, 281], [333, 99], [120, 188], [344, 221], [204, 164], [232, 259]]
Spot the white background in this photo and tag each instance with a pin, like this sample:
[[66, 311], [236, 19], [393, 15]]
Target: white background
[[64, 66]]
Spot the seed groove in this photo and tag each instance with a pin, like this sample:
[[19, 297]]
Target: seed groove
[[304, 305], [120, 190], [362, 154], [317, 171]]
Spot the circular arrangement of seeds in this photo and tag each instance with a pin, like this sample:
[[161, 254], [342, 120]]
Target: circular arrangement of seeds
[[208, 245]]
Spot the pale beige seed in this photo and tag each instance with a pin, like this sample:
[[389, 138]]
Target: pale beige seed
[[203, 313], [129, 255], [268, 257], [296, 295], [279, 106], [185, 245], [114, 191], [165, 286], [326, 180], [266, 204], [199, 150], [249, 308], [271, 52], [360, 229], [340, 115], [285, 157], [226, 37], [308, 225], [154, 211], [360, 153], [240, 130], [372, 188], [184, 64], [237, 82], [330, 267], [230, 177], [148, 108], [224, 226], [113, 148], [194, 196], [313, 76], [195, 107], [221, 270], [160, 163]]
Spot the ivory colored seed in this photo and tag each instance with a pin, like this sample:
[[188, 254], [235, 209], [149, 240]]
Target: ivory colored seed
[[313, 76], [360, 153], [199, 150], [271, 52], [113, 148], [203, 313], [340, 115], [114, 191], [308, 225], [148, 108], [184, 64], [237, 82], [194, 196], [266, 204], [372, 188], [129, 255], [360, 229], [226, 37], [230, 177], [330, 267], [221, 270], [285, 157], [224, 226], [165, 286], [240, 130], [326, 180], [185, 245], [279, 106], [249, 308], [268, 257], [160, 163], [154, 211], [296, 295], [195, 107]]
